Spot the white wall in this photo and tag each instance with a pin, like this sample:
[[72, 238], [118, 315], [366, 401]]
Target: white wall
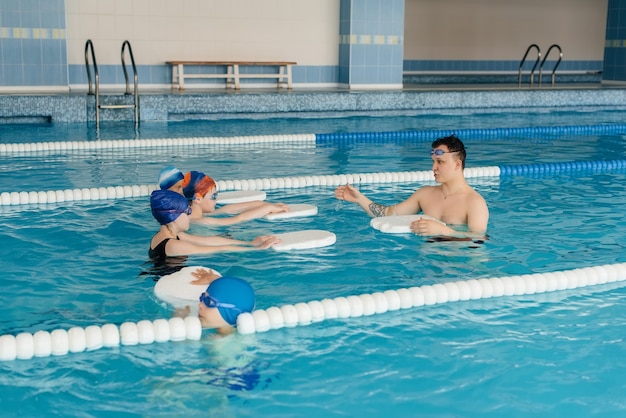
[[503, 29], [305, 31]]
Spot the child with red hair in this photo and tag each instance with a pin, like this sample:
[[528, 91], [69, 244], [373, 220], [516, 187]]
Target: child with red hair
[[201, 191]]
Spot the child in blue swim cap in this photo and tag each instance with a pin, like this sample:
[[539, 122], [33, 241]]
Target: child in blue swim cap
[[171, 178], [172, 211], [224, 299]]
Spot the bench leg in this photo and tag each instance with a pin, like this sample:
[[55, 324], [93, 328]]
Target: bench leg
[[286, 77], [181, 76], [230, 78], [236, 72]]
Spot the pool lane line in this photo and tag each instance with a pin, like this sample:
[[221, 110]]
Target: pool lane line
[[28, 147], [354, 306], [406, 135], [58, 342], [475, 133], [122, 192]]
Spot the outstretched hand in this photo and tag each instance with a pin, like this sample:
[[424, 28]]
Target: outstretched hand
[[265, 241], [347, 193], [204, 276], [278, 207]]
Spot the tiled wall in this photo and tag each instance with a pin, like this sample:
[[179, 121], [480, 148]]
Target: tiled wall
[[362, 43], [615, 46], [371, 40], [33, 43]]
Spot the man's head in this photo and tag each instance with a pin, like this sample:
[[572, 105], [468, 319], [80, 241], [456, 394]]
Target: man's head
[[454, 145]]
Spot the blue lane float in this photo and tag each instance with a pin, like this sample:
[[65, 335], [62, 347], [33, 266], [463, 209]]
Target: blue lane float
[[474, 134]]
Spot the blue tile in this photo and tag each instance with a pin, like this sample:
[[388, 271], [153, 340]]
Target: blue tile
[[14, 75], [51, 51], [78, 74], [30, 19], [54, 75], [33, 75], [10, 19], [32, 52], [12, 51], [314, 74]]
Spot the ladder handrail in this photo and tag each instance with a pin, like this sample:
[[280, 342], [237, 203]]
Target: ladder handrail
[[532, 72], [89, 47], [555, 66], [132, 60], [135, 78]]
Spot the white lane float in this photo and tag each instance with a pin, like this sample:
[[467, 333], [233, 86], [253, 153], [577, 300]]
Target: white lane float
[[240, 196]]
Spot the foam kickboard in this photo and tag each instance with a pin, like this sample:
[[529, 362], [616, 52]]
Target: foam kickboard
[[177, 289], [300, 240], [400, 224], [295, 210]]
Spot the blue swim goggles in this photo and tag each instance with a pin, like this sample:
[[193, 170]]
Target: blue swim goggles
[[440, 152], [213, 196], [210, 302]]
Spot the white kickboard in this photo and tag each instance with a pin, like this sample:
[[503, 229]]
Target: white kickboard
[[400, 224], [300, 240], [177, 290], [295, 210], [240, 196]]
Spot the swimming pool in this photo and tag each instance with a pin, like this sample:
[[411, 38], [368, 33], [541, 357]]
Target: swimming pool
[[84, 262]]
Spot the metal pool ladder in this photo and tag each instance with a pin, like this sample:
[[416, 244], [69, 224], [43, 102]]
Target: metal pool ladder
[[555, 65], [135, 105], [532, 72]]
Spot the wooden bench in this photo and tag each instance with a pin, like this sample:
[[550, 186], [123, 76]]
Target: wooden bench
[[232, 76]]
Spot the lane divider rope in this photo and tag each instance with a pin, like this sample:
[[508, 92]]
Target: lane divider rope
[[58, 342], [306, 313], [427, 135], [121, 192], [150, 143]]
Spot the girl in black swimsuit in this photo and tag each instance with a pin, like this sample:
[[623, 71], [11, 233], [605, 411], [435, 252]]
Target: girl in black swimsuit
[[172, 211]]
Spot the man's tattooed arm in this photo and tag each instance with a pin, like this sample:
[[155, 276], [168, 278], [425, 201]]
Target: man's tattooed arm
[[377, 210]]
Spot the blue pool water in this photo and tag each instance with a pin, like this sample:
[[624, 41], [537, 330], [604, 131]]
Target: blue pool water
[[85, 262]]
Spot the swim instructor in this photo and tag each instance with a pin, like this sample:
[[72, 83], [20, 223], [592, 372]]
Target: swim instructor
[[453, 201]]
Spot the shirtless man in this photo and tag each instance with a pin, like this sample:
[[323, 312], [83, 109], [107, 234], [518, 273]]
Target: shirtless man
[[453, 201]]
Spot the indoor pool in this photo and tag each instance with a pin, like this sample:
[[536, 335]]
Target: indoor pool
[[556, 202]]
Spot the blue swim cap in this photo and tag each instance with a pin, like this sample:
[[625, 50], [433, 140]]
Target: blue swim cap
[[167, 205], [169, 176], [234, 292]]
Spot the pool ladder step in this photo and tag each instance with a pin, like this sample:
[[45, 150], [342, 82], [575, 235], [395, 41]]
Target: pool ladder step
[[135, 105]]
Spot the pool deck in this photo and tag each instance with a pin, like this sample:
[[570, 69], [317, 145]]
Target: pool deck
[[219, 103]]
